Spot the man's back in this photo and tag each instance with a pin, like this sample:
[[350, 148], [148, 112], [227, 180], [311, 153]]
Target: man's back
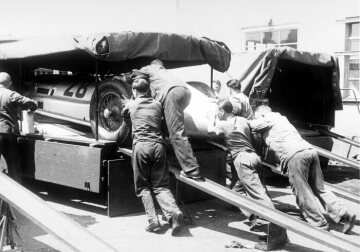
[[145, 115], [8, 111], [237, 134], [241, 105], [161, 81], [280, 136]]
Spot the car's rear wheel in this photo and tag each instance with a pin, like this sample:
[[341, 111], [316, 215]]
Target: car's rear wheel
[[111, 125]]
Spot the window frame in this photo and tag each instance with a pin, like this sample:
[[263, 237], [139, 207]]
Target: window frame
[[348, 57], [269, 28]]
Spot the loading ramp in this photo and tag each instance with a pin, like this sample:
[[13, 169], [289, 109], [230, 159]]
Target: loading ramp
[[272, 215], [61, 227]]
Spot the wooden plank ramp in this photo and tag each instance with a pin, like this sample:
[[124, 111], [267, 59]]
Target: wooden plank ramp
[[338, 191], [64, 229], [272, 215]]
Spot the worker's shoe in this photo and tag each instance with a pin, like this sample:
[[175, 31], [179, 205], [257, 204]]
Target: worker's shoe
[[348, 220], [325, 227], [194, 174], [153, 227], [177, 222]]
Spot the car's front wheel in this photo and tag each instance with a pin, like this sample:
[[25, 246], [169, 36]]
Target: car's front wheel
[[111, 125]]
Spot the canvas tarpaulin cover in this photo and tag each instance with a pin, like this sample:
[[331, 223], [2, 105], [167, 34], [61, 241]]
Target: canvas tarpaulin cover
[[76, 53], [304, 86]]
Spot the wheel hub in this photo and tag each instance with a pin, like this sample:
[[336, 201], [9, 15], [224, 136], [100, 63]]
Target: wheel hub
[[110, 107]]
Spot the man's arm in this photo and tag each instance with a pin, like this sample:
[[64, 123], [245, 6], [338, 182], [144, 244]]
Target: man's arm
[[144, 72], [126, 110], [260, 124], [23, 102]]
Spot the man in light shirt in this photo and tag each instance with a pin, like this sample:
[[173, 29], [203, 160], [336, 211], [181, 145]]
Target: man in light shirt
[[301, 163]]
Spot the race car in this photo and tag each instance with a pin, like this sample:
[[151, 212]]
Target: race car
[[74, 99], [89, 85], [82, 78]]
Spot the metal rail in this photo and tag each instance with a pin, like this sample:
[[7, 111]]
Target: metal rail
[[338, 191], [332, 156], [302, 228], [343, 193], [65, 230], [356, 100], [340, 137], [276, 169]]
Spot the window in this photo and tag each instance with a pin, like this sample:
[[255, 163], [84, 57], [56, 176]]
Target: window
[[268, 37], [353, 37], [352, 61]]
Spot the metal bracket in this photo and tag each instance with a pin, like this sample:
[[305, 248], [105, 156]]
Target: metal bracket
[[276, 238]]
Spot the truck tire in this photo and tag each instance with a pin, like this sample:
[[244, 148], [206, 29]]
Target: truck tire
[[111, 124]]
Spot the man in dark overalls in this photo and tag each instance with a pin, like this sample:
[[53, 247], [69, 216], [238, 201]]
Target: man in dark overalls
[[10, 102], [174, 96], [151, 174]]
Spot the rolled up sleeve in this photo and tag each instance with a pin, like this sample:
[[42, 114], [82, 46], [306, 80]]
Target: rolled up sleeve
[[22, 101], [259, 124]]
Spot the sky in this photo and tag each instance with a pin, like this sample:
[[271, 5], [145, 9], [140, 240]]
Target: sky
[[52, 17]]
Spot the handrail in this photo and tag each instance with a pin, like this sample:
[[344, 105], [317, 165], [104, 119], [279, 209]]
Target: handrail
[[357, 103], [339, 137], [337, 190], [332, 156]]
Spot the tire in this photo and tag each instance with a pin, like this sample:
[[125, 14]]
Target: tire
[[111, 124]]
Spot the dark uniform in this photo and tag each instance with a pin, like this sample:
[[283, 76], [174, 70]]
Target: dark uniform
[[247, 163], [174, 96], [10, 101], [149, 158]]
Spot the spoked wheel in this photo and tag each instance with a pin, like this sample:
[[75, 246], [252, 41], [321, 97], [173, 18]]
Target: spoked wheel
[[111, 101], [110, 107]]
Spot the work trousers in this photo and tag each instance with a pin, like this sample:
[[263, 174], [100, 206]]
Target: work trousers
[[247, 165], [307, 183], [10, 151], [174, 104], [151, 176]]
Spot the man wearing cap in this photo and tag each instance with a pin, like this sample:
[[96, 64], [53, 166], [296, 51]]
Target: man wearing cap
[[174, 96], [10, 102], [237, 135], [239, 101], [301, 163], [241, 107], [151, 174]]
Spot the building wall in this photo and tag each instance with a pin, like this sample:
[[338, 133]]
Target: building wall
[[320, 23], [320, 29]]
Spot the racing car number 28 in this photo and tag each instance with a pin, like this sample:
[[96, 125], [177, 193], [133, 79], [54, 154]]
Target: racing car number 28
[[79, 92]]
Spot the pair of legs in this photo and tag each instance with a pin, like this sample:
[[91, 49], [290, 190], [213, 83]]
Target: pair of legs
[[177, 99], [307, 183], [10, 151], [247, 165], [151, 177]]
